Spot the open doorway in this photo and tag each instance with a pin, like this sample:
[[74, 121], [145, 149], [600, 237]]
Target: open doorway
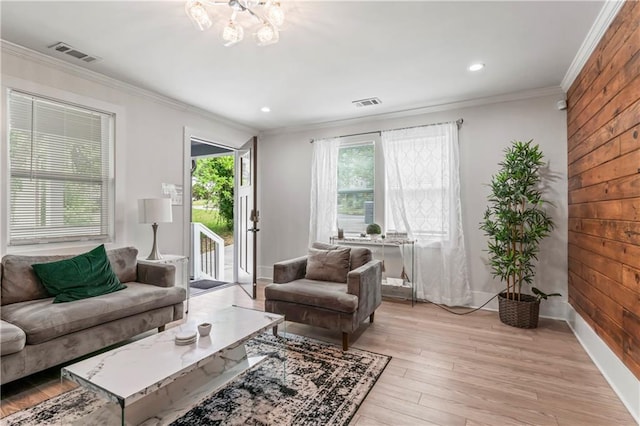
[[225, 250], [211, 216]]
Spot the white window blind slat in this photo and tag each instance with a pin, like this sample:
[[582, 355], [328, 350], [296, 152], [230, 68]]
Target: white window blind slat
[[61, 171]]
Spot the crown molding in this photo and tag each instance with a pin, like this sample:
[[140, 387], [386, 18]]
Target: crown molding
[[96, 77], [445, 106], [607, 14]]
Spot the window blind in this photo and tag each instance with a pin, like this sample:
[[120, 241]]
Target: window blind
[[61, 171]]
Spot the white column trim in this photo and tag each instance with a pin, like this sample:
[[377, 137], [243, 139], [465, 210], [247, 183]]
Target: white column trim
[[608, 12]]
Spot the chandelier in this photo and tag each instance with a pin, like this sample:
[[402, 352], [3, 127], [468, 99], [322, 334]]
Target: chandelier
[[266, 16]]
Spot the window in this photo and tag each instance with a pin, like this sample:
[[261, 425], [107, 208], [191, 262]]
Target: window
[[401, 180], [356, 185], [61, 171], [419, 192]]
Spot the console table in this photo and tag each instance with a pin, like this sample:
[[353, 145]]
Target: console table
[[398, 283]]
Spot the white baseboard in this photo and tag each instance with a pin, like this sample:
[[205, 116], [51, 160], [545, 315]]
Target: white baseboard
[[621, 379], [265, 273]]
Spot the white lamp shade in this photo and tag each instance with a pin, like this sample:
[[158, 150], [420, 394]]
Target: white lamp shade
[[154, 210]]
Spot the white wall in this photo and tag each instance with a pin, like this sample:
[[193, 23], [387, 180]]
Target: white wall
[[285, 159], [149, 141]]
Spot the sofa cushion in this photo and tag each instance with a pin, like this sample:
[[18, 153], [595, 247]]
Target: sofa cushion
[[79, 277], [328, 265], [124, 262], [20, 283], [42, 320], [359, 255], [327, 295], [12, 338]]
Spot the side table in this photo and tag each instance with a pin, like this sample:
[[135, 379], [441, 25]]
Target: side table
[[182, 270], [405, 275]]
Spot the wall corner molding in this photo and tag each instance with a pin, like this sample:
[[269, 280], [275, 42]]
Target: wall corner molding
[[428, 109], [22, 52], [608, 12], [619, 377]]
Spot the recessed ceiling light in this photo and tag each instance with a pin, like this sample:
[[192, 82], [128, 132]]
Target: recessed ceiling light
[[265, 109], [476, 67]]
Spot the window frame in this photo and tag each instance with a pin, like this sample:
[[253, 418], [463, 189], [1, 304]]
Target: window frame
[[116, 227], [379, 180], [381, 208]]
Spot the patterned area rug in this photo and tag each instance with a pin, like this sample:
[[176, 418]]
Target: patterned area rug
[[323, 386]]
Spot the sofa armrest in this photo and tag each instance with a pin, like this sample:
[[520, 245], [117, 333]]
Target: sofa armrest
[[366, 283], [158, 274], [290, 270]]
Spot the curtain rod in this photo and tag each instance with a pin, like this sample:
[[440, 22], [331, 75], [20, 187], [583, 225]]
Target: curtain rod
[[458, 122]]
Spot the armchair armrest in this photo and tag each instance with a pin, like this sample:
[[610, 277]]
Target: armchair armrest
[[158, 274], [366, 283], [290, 270]]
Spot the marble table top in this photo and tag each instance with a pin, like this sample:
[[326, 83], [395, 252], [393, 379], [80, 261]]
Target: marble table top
[[128, 373]]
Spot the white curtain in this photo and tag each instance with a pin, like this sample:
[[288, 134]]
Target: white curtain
[[423, 200], [324, 190]]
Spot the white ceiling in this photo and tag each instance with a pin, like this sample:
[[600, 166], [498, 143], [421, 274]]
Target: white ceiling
[[409, 54]]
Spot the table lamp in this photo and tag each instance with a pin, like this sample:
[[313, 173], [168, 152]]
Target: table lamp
[[154, 211]]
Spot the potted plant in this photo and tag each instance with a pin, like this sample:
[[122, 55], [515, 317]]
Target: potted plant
[[515, 222], [374, 230]]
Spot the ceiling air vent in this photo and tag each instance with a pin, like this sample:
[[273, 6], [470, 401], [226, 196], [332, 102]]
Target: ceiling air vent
[[367, 102], [68, 50]]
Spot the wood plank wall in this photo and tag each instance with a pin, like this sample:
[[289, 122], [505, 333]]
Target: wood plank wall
[[603, 123]]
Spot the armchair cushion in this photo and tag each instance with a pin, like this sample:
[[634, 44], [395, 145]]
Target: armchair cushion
[[320, 294], [328, 265], [359, 255]]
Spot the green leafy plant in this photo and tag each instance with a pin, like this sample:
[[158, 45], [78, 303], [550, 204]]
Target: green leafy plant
[[515, 220], [213, 183], [374, 228]]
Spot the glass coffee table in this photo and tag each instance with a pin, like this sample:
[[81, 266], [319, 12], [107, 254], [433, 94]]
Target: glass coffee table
[[154, 381]]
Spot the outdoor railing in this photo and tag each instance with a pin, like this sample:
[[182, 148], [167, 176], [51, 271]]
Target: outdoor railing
[[207, 253]]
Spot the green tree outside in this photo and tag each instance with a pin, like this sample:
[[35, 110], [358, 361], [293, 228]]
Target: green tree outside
[[355, 178], [212, 188]]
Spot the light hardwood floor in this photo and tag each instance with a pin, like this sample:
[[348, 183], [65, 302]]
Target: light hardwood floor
[[446, 370]]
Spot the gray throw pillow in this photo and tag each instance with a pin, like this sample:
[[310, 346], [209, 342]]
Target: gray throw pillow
[[328, 265], [359, 255]]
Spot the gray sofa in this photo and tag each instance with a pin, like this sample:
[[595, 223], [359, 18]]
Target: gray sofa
[[340, 306], [36, 334]]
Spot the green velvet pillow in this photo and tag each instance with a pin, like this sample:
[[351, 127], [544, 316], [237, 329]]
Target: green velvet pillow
[[80, 277]]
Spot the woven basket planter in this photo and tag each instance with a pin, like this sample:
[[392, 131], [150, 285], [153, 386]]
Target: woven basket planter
[[521, 313]]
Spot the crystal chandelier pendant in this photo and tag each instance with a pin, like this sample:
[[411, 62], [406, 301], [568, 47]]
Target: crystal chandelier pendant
[[249, 4], [267, 34], [198, 14], [275, 14], [232, 33], [268, 15]]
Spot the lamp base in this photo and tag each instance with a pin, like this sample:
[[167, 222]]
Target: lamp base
[[155, 253]]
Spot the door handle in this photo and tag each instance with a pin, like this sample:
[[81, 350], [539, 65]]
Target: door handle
[[253, 229]]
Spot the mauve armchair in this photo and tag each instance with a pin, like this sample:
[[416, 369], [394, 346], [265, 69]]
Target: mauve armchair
[[341, 303]]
